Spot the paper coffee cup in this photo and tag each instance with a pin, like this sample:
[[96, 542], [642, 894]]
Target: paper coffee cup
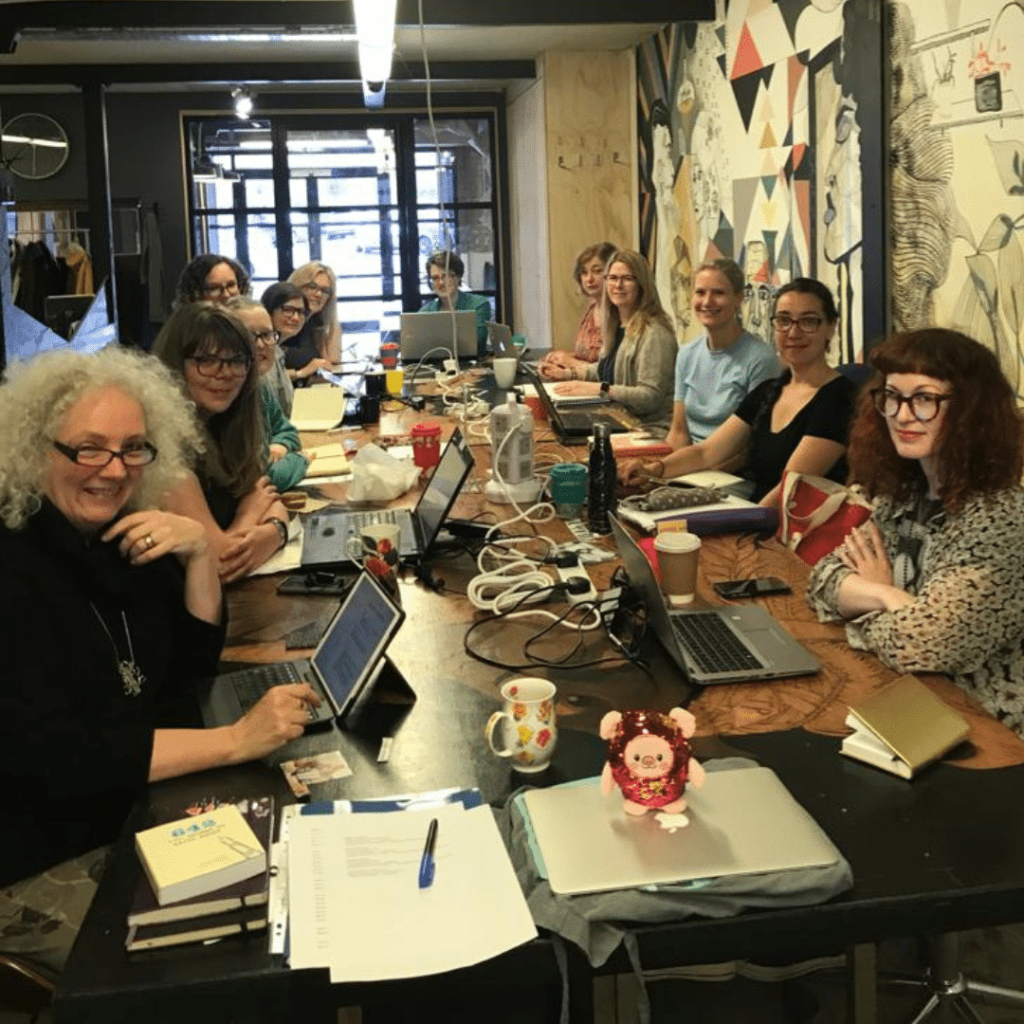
[[505, 372], [678, 554]]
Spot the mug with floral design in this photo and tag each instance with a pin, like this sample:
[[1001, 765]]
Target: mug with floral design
[[380, 554], [528, 724]]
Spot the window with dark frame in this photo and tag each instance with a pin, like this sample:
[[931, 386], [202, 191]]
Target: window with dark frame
[[370, 196]]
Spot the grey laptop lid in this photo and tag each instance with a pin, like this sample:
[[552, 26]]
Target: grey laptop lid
[[742, 821], [344, 662], [420, 333], [571, 423], [776, 653], [499, 336]]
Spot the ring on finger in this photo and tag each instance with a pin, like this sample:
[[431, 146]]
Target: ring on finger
[[150, 543]]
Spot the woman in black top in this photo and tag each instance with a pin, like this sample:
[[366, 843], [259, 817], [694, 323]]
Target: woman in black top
[[799, 421]]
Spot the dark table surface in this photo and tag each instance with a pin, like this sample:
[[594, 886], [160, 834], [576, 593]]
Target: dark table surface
[[943, 852]]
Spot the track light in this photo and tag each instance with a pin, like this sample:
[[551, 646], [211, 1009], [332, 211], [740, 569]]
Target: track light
[[243, 98], [375, 31]]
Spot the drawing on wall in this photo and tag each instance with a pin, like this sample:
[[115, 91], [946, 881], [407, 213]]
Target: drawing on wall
[[743, 108], [958, 174]]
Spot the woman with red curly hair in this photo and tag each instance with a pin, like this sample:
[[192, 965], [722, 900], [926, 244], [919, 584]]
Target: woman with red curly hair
[[932, 582]]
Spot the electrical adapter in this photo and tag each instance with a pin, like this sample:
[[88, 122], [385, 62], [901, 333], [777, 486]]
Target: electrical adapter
[[579, 587]]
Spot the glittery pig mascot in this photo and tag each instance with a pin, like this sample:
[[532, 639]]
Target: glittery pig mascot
[[649, 759]]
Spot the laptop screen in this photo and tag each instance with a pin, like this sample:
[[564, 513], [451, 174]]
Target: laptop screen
[[355, 641], [441, 490]]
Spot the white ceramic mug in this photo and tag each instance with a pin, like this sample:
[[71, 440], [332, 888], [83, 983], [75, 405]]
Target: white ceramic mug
[[505, 372], [528, 717]]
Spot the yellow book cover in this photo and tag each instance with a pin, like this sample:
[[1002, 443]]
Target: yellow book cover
[[193, 856]]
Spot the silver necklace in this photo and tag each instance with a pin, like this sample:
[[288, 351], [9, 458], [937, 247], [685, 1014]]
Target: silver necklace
[[131, 674]]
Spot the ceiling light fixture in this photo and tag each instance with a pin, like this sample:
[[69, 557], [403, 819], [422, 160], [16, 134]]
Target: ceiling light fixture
[[243, 98], [375, 32]]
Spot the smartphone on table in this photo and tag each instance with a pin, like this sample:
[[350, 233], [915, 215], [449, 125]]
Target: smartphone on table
[[758, 586]]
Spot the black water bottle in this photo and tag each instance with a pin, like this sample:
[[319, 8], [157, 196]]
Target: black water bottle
[[602, 481]]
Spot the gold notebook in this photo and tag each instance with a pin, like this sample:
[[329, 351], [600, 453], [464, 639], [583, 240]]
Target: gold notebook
[[902, 728], [327, 460]]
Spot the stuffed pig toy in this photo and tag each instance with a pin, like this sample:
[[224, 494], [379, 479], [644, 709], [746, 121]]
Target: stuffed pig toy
[[649, 759]]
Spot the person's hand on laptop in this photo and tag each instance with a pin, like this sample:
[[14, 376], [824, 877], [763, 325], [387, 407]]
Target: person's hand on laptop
[[280, 716], [559, 365]]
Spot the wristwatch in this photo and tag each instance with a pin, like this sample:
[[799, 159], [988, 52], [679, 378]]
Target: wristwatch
[[605, 387], [282, 528]]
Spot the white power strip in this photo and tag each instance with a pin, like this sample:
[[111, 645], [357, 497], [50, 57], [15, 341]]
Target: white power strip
[[580, 586]]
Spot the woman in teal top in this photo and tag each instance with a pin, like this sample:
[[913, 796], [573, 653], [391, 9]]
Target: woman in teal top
[[444, 271]]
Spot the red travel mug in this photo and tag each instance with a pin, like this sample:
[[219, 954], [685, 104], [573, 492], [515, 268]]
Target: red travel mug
[[426, 444]]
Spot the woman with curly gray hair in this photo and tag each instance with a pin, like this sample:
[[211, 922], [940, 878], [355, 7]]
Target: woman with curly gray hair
[[110, 610]]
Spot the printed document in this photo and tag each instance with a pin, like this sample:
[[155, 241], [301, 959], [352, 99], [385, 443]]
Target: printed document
[[356, 907]]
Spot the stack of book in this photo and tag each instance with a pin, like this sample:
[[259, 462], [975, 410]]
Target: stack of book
[[204, 877]]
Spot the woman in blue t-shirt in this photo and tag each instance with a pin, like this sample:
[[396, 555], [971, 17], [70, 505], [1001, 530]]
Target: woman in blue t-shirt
[[797, 421]]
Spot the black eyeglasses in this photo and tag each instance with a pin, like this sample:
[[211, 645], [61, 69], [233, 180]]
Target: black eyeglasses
[[266, 337], [924, 405], [292, 312], [804, 324], [229, 288], [90, 455], [214, 366]]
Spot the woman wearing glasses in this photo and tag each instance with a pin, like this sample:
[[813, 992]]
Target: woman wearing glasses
[[288, 311], [639, 348], [286, 465], [932, 582], [445, 271], [317, 345], [230, 494], [797, 421], [211, 278], [109, 613]]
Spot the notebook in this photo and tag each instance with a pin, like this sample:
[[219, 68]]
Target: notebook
[[742, 821], [735, 644], [345, 661], [572, 424], [420, 333], [331, 537], [320, 407]]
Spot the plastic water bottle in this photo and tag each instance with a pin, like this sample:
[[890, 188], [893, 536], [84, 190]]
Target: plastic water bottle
[[602, 481]]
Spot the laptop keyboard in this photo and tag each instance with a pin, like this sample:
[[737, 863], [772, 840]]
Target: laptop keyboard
[[253, 683], [712, 644], [373, 518]]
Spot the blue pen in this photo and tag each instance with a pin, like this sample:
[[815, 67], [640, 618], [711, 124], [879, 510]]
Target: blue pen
[[427, 860]]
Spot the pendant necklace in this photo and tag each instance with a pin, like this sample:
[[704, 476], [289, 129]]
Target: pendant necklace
[[130, 673]]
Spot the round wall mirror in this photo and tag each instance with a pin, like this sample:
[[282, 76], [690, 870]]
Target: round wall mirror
[[33, 146]]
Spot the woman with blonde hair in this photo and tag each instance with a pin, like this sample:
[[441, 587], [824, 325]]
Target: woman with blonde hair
[[110, 612], [718, 370], [318, 345], [589, 275], [639, 348]]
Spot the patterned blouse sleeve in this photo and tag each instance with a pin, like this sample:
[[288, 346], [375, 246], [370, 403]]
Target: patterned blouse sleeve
[[970, 604]]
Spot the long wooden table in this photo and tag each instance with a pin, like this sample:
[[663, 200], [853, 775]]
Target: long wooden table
[[941, 853]]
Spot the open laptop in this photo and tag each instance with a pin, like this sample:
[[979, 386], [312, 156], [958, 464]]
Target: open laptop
[[734, 644], [589, 845], [499, 337], [331, 537], [420, 333], [569, 423], [347, 659]]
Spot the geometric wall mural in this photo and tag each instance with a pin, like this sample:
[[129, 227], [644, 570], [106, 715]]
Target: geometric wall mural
[[749, 148]]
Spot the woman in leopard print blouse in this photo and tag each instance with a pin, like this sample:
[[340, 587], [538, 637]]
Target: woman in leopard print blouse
[[933, 581]]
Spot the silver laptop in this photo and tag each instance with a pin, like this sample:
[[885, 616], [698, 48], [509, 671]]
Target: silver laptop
[[734, 644], [344, 664], [422, 333], [740, 822], [499, 337], [331, 537]]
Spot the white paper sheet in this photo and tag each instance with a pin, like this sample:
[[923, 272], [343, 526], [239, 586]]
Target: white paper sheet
[[356, 906]]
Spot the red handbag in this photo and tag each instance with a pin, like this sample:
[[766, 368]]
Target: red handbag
[[816, 514]]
